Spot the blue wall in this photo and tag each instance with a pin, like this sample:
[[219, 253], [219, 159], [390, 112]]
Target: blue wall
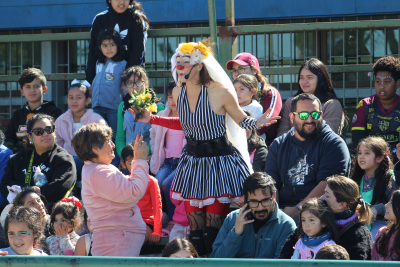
[[42, 14]]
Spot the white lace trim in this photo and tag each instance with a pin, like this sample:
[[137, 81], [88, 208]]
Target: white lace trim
[[201, 203]]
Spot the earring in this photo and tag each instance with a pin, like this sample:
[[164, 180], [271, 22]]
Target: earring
[[340, 207], [30, 142]]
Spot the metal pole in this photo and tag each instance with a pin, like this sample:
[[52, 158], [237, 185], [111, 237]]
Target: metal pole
[[212, 17]]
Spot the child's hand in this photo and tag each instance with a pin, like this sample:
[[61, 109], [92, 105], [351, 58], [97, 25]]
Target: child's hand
[[60, 229], [146, 116], [154, 238]]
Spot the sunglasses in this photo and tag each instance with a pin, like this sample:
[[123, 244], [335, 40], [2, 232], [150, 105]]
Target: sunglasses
[[304, 115], [239, 70], [40, 131]]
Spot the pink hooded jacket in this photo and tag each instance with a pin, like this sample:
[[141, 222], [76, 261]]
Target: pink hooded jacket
[[157, 141], [64, 127]]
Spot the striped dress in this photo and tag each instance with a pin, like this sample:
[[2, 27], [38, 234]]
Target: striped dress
[[204, 179]]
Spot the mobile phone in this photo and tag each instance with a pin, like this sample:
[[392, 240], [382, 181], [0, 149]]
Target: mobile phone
[[248, 215]]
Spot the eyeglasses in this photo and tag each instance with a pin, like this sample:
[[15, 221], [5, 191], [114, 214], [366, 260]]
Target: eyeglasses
[[20, 234], [134, 84], [266, 202], [239, 70], [40, 131], [304, 115]]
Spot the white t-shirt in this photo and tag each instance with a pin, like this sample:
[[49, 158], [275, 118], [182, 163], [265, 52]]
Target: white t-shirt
[[255, 109]]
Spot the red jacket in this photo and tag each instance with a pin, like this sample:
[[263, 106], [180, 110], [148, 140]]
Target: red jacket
[[150, 206]]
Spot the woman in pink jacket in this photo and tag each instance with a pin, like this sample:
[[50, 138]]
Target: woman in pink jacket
[[68, 124], [110, 197], [166, 147]]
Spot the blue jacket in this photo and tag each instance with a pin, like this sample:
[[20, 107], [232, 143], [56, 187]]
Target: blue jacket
[[131, 128], [5, 154], [267, 243], [106, 86]]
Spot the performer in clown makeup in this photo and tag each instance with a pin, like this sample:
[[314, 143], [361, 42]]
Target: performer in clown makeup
[[379, 114], [215, 161]]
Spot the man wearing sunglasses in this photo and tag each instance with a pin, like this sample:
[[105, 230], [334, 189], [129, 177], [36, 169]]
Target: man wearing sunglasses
[[259, 229], [302, 159]]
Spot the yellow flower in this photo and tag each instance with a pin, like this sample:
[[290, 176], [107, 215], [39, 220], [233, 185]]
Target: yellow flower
[[203, 49], [186, 48], [147, 96], [141, 97], [153, 108]]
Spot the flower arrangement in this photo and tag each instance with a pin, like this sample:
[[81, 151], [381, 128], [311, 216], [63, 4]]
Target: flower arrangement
[[143, 99], [199, 49]]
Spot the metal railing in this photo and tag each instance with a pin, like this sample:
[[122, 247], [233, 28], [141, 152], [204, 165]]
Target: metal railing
[[227, 48], [64, 261]]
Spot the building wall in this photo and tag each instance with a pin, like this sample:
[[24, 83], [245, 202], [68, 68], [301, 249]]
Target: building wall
[[40, 14]]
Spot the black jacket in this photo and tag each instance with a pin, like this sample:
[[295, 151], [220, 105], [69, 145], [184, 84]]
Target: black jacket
[[16, 138], [57, 164], [357, 240], [133, 36], [260, 156]]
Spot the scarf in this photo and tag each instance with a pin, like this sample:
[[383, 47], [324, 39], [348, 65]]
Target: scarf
[[314, 241], [345, 217]]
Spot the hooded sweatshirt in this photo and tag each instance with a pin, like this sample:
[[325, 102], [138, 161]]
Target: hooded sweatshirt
[[16, 138], [298, 166], [57, 164], [133, 35]]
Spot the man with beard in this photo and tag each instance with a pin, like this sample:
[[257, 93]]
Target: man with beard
[[259, 229], [302, 159]]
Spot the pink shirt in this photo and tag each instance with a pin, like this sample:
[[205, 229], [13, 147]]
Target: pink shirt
[[173, 143], [110, 197], [375, 254]]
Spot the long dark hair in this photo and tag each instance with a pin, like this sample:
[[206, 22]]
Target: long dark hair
[[324, 90], [137, 12], [110, 34], [320, 209], [382, 174], [382, 243]]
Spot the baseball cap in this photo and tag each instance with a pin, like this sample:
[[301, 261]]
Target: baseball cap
[[243, 59]]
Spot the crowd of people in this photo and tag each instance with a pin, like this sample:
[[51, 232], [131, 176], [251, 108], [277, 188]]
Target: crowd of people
[[221, 168]]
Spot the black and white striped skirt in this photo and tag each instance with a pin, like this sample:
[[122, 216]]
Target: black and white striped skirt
[[202, 180]]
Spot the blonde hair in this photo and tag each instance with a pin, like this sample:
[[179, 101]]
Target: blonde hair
[[346, 190]]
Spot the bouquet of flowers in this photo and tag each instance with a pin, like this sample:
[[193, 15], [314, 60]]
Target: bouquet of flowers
[[143, 99]]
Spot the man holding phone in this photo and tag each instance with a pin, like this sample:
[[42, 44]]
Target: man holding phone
[[259, 229]]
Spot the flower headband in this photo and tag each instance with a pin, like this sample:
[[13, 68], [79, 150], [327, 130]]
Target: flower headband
[[73, 200], [198, 51]]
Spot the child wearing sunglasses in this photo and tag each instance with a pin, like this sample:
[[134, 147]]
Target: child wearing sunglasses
[[65, 218], [22, 230], [43, 152]]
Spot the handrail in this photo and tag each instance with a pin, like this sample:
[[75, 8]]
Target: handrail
[[167, 73], [240, 29], [64, 261]]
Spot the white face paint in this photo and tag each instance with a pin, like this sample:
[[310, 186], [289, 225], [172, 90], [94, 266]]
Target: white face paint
[[383, 79]]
